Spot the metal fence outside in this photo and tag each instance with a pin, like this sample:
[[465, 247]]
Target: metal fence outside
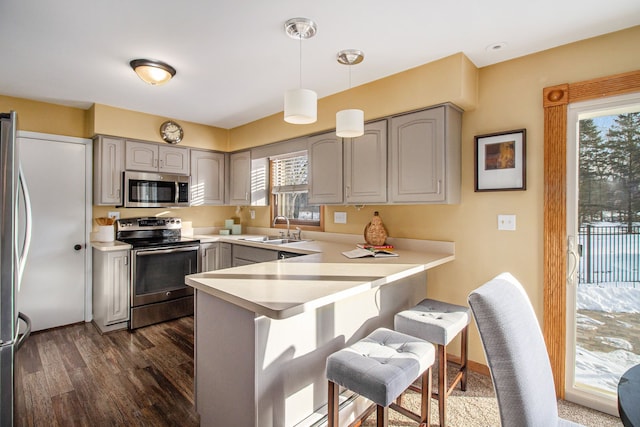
[[610, 254]]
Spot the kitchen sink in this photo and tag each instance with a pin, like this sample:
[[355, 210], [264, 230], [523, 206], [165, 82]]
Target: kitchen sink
[[273, 241]]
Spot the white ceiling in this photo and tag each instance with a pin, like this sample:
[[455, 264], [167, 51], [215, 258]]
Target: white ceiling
[[234, 60]]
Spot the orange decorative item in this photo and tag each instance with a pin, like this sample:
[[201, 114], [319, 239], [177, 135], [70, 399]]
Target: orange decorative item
[[374, 232]]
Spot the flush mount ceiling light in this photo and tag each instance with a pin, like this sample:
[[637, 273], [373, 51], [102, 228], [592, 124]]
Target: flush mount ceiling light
[[300, 105], [350, 123], [153, 72]]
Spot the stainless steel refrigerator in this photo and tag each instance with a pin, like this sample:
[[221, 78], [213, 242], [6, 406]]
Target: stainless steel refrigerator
[[14, 245]]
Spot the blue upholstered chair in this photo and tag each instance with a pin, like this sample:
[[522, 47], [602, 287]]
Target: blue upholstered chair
[[516, 353]]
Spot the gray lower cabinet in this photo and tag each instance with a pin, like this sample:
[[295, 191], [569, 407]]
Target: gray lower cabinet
[[210, 256], [225, 259], [244, 255], [424, 156], [111, 288]]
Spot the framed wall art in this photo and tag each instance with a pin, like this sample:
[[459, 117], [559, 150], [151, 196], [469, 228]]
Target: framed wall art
[[500, 161]]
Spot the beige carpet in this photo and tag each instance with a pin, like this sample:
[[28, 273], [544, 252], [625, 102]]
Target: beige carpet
[[478, 407]]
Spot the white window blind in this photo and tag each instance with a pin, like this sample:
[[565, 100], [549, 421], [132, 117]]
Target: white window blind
[[289, 174]]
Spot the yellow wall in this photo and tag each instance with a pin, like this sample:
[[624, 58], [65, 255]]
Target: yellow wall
[[132, 124], [35, 116], [451, 79]]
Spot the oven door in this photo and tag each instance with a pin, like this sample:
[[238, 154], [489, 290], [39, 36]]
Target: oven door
[[157, 274]]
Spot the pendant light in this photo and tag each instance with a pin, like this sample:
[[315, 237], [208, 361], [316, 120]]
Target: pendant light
[[300, 105], [155, 73], [350, 123]]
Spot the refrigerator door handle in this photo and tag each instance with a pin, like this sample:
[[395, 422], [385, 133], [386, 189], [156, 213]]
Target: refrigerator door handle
[[26, 333], [22, 259]]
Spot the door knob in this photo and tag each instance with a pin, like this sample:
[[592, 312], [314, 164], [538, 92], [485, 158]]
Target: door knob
[[77, 247]]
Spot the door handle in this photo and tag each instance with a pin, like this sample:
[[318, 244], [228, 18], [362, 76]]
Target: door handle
[[77, 247]]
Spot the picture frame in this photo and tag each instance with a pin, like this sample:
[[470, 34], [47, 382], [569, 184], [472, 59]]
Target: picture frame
[[500, 161]]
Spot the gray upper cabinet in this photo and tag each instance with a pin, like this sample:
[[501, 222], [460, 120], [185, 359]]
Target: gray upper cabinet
[[325, 169], [365, 165], [207, 178], [108, 162], [424, 156], [240, 178], [151, 157]]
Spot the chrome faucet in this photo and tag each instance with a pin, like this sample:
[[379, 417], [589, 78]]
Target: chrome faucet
[[286, 219]]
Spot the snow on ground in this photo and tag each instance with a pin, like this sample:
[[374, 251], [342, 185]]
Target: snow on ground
[[609, 299], [602, 369]]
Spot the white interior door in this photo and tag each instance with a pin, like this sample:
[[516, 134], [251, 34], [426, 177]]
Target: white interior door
[[55, 289]]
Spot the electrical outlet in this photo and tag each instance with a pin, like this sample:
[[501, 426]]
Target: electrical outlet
[[507, 222], [115, 215], [340, 217], [252, 213]]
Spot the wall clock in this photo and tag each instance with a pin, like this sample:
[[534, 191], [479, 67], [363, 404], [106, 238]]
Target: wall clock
[[171, 132]]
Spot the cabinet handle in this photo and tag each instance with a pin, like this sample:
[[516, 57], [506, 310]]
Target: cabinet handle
[[246, 196], [161, 164], [439, 185], [126, 260]]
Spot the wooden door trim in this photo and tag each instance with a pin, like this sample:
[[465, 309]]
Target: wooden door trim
[[555, 102]]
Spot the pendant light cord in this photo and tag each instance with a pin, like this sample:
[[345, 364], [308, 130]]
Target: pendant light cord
[[300, 39]]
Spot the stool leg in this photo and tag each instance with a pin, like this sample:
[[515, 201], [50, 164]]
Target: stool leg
[[332, 407], [442, 384], [464, 358], [425, 395], [382, 416]]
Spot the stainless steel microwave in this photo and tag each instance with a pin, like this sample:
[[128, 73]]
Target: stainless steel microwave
[[155, 190]]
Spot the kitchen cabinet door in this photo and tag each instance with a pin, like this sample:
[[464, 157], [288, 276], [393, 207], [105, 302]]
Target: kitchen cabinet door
[[225, 256], [173, 159], [210, 256], [141, 156], [365, 165], [245, 255], [240, 178], [425, 156], [152, 157], [325, 169], [108, 155], [111, 289], [207, 178]]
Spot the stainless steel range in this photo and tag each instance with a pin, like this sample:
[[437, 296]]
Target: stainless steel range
[[160, 258]]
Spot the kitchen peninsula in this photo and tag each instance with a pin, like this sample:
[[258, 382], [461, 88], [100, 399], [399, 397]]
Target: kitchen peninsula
[[263, 331]]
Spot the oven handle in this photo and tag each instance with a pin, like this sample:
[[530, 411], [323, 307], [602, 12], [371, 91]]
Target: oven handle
[[166, 251]]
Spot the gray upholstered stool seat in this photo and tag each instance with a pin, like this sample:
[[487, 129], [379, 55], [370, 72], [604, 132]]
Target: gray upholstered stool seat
[[380, 367], [439, 323]]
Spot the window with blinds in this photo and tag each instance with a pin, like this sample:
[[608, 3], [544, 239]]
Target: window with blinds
[[289, 188]]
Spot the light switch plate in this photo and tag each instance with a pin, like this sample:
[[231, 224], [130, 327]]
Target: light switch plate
[[507, 222], [340, 217], [252, 213], [115, 215]]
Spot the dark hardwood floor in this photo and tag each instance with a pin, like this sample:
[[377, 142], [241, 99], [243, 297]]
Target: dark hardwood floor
[[73, 376]]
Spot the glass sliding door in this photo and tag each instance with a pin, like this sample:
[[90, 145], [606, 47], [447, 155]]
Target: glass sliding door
[[603, 223]]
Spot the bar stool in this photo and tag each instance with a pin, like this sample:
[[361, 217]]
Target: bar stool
[[439, 322], [380, 367]]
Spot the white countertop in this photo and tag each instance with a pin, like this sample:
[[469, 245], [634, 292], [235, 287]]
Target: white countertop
[[284, 288]]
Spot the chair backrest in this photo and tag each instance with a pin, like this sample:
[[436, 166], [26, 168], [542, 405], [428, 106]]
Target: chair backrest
[[516, 353]]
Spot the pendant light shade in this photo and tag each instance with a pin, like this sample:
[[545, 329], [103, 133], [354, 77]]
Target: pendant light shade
[[155, 73], [350, 123], [300, 106]]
